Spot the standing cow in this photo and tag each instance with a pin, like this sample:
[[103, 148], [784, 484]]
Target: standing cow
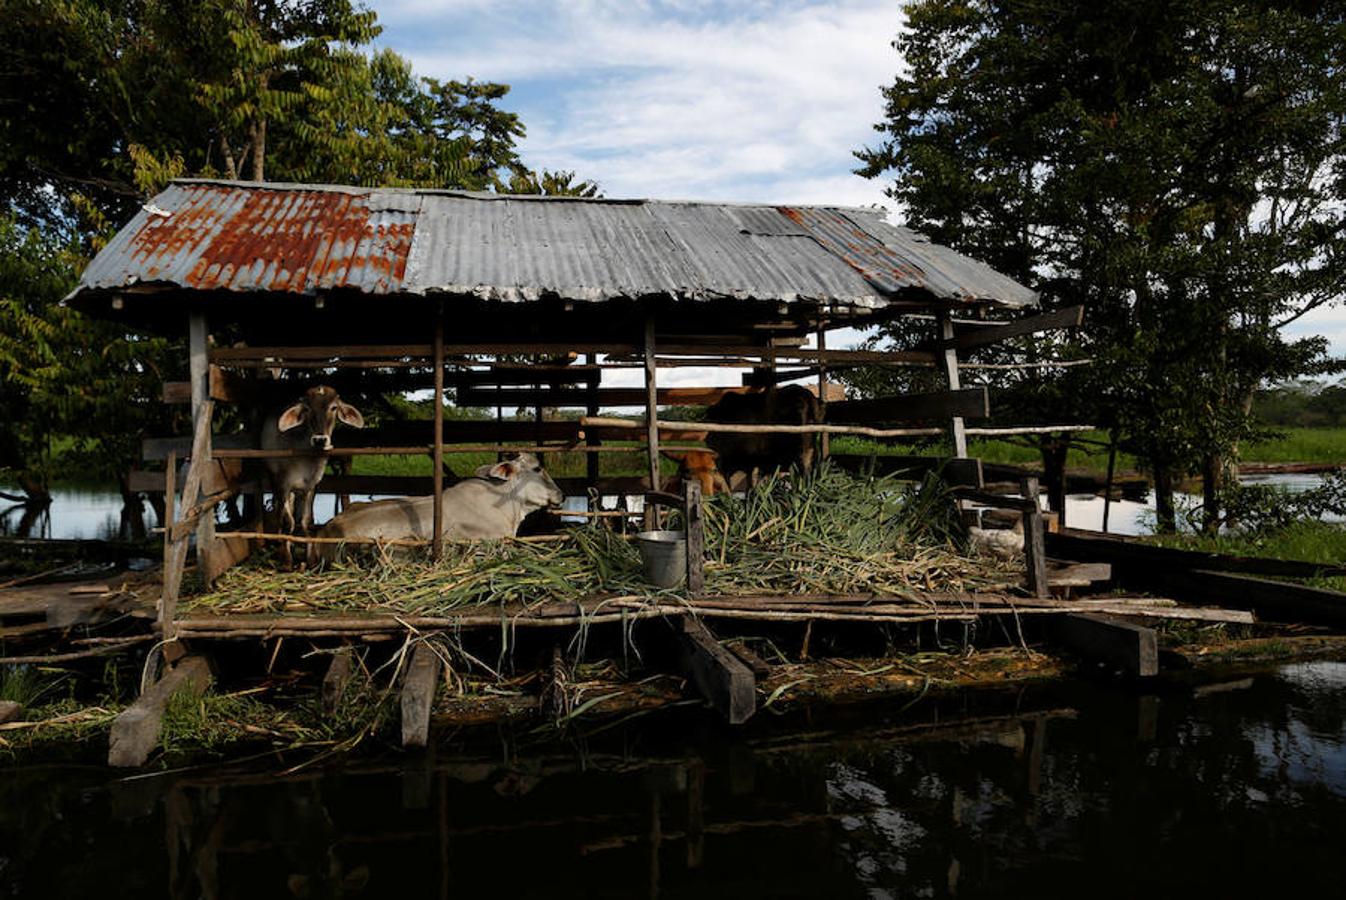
[[760, 453], [305, 426]]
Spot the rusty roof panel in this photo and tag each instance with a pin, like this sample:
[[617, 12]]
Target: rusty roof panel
[[302, 239]]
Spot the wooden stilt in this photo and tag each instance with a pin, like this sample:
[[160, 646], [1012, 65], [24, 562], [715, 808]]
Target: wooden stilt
[[651, 421], [719, 675], [1035, 549], [136, 731], [696, 537], [339, 672], [591, 472], [199, 367], [437, 539], [418, 695]]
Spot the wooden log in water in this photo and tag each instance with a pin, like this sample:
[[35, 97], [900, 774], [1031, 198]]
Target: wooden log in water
[[1132, 648], [135, 732]]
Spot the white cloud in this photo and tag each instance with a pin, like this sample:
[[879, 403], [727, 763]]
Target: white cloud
[[749, 101]]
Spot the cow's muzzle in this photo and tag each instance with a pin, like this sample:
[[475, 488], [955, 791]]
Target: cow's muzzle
[[322, 442]]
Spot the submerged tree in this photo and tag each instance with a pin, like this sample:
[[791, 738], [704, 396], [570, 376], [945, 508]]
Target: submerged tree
[[1178, 168]]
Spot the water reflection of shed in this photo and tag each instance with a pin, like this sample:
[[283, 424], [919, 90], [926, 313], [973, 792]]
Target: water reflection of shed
[[517, 301]]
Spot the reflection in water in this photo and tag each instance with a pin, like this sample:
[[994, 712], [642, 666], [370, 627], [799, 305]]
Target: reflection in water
[[1234, 789]]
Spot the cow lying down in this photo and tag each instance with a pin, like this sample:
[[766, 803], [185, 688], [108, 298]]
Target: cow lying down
[[491, 505]]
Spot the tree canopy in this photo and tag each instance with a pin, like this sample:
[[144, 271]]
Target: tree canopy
[[1177, 167]]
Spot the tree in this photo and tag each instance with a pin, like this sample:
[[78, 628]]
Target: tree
[[1176, 167]]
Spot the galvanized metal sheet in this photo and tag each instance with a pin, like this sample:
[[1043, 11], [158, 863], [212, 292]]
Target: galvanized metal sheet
[[230, 236]]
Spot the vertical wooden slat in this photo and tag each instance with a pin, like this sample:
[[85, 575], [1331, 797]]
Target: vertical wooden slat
[[696, 536], [958, 429], [825, 445], [199, 366], [437, 539], [172, 575], [591, 471], [1035, 549], [651, 421]]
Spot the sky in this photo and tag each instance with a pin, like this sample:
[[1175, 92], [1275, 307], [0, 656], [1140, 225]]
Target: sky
[[688, 99]]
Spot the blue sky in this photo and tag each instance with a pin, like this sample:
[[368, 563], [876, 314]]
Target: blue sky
[[687, 99]]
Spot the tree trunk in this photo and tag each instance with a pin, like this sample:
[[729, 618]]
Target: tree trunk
[[230, 168], [133, 511], [259, 150], [1166, 515], [1214, 473], [1054, 452], [34, 489]]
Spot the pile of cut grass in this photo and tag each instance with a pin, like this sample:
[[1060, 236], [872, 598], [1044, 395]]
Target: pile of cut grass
[[826, 533]]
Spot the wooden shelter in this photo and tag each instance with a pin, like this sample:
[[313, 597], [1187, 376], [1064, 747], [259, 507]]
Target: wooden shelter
[[524, 302]]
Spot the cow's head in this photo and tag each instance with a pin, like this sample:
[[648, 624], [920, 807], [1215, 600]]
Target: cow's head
[[528, 482], [320, 409], [701, 465]]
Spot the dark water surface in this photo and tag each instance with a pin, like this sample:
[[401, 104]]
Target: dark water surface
[[1233, 788]]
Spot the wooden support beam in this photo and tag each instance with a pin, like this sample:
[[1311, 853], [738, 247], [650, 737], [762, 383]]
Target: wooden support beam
[[1132, 557], [949, 357], [1131, 648], [824, 440], [135, 732], [984, 336], [719, 675], [418, 695], [339, 672], [1277, 601], [696, 536], [198, 337], [437, 461], [971, 403], [1035, 552], [591, 406], [651, 420]]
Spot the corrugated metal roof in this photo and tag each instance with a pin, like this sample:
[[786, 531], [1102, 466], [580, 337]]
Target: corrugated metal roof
[[231, 236]]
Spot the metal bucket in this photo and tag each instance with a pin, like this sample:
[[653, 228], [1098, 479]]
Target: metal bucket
[[664, 554]]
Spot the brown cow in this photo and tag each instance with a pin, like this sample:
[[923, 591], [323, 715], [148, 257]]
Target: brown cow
[[759, 453], [697, 464]]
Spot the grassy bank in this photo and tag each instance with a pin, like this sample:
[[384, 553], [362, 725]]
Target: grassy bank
[[1310, 541]]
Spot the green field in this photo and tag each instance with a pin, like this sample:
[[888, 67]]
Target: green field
[[1293, 445]]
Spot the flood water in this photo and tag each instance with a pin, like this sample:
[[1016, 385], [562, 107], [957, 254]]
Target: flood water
[[96, 513], [1230, 788]]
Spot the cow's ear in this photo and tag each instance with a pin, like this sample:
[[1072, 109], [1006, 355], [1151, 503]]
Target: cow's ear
[[503, 471], [350, 415], [291, 417]]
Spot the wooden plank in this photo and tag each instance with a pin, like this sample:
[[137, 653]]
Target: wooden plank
[[1277, 601], [1070, 317], [996, 501], [135, 732], [1132, 648], [339, 672], [580, 396], [418, 695], [437, 460], [720, 676], [198, 337], [970, 403], [949, 357], [955, 472], [696, 536], [1133, 555], [1035, 553]]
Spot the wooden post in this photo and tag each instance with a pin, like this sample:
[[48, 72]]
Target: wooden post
[[136, 730], [339, 672], [199, 368], [825, 446], [651, 421], [437, 539], [1107, 484], [721, 678], [958, 429], [591, 472], [172, 577], [418, 695], [1132, 648], [696, 536], [1035, 551]]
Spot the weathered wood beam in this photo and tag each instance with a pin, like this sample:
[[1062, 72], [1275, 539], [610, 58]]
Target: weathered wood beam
[[135, 732], [983, 336], [971, 403], [949, 357], [720, 676], [1133, 556], [437, 459], [696, 536], [1035, 552], [1131, 648], [418, 695], [651, 419], [338, 675]]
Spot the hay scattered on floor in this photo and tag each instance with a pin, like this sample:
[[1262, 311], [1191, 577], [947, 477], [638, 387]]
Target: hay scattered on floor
[[828, 533]]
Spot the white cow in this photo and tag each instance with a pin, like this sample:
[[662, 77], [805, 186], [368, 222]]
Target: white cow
[[491, 505]]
